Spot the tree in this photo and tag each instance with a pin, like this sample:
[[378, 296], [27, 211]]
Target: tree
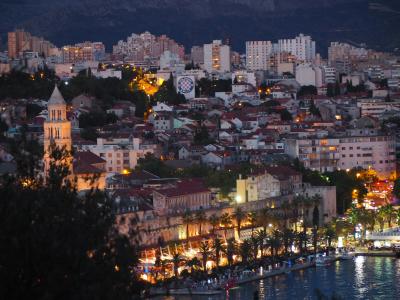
[[205, 252], [396, 188], [200, 218], [226, 222], [329, 234], [307, 90], [193, 264], [176, 260], [154, 165], [388, 213], [214, 222], [314, 110], [286, 115], [252, 219], [245, 251], [274, 242], [218, 248], [56, 244], [230, 250], [187, 219], [261, 236], [238, 215], [202, 137]]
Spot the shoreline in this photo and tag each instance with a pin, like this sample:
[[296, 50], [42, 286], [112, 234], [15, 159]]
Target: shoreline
[[277, 272]]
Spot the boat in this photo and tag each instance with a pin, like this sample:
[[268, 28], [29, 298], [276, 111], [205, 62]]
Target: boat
[[346, 256], [322, 261]]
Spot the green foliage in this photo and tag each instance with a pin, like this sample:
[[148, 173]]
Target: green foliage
[[3, 127], [333, 89], [206, 87], [32, 110], [27, 153], [54, 244], [272, 103], [89, 133], [167, 93], [307, 90], [18, 85], [202, 137], [396, 188], [345, 183], [314, 110], [154, 165], [354, 89], [285, 115], [96, 119]]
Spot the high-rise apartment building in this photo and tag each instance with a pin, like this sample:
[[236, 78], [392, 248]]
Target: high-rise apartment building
[[302, 46], [217, 57], [138, 47], [18, 41], [197, 55], [86, 51], [257, 55]]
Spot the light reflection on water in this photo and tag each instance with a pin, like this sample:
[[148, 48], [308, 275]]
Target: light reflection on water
[[361, 278]]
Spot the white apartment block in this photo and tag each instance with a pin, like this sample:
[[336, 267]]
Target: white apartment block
[[308, 74], [367, 148], [364, 148], [302, 46], [217, 57], [119, 154], [376, 107], [344, 52], [257, 55], [329, 74]]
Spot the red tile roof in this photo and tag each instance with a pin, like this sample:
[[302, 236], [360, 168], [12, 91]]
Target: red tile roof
[[183, 188]]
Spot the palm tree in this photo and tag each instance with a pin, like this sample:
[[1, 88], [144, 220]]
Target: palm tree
[[176, 260], [288, 237], [398, 217], [275, 243], [226, 222], [389, 212], [285, 209], [193, 263], [200, 218], [187, 219], [254, 246], [329, 234], [264, 217], [380, 217], [261, 236], [230, 250], [214, 222], [296, 204], [238, 215], [302, 241], [245, 251], [252, 219], [205, 252], [218, 248]]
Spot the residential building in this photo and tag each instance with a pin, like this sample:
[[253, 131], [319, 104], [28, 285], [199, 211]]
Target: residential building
[[197, 55], [302, 46], [186, 195], [119, 153], [267, 183], [217, 57], [257, 55]]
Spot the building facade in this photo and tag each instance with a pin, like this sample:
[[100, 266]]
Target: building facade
[[217, 57]]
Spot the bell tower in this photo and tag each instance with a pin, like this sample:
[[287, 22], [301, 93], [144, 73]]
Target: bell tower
[[57, 128]]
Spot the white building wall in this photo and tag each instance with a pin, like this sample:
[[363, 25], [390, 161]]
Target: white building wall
[[257, 55]]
